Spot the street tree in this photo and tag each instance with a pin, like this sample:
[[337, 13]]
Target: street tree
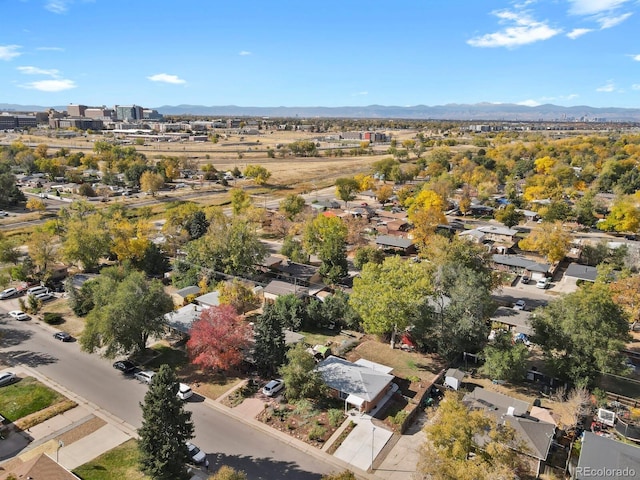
[[509, 215], [346, 189], [151, 182], [550, 240], [36, 205], [464, 444], [166, 427], [293, 249], [300, 375], [326, 237], [505, 360], [292, 205], [219, 339], [582, 334], [128, 310], [270, 350], [258, 173], [240, 201], [387, 296]]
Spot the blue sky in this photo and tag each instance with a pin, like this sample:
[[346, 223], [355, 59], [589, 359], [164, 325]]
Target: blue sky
[[329, 53]]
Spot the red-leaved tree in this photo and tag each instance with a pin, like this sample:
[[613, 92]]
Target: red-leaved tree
[[218, 339]]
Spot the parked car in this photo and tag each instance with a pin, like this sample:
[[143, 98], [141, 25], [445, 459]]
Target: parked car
[[273, 387], [7, 378], [145, 376], [125, 366], [197, 455], [525, 279], [37, 290], [520, 305], [8, 293], [542, 283], [184, 391], [19, 315], [44, 297], [62, 336]]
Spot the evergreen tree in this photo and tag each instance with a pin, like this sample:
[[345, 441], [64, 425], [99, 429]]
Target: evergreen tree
[[269, 347], [166, 427]]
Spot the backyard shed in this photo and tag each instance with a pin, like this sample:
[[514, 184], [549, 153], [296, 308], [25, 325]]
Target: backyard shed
[[453, 378]]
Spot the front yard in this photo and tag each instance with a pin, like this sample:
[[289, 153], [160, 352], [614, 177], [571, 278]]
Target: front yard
[[120, 462]]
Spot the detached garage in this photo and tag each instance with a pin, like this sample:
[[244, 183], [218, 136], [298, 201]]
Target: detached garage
[[453, 378]]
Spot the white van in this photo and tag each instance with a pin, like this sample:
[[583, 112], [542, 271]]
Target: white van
[[37, 290]]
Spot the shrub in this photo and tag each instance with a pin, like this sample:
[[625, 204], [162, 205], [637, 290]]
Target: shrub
[[317, 433], [302, 407], [52, 318], [335, 416], [346, 346], [399, 418]]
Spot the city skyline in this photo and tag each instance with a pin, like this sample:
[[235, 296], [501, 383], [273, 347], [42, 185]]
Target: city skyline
[[565, 52]]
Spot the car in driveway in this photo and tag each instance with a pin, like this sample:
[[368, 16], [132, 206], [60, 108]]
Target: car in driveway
[[184, 391], [543, 283], [7, 378], [520, 305], [273, 387], [197, 455], [525, 279], [145, 376], [8, 293], [125, 366], [62, 336], [44, 297], [19, 315]]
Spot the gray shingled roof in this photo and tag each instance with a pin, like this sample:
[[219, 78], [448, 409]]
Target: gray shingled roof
[[391, 241], [521, 262], [601, 454], [518, 319], [353, 379], [582, 272]]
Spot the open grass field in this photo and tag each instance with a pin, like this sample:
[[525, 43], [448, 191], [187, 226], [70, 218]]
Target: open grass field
[[26, 397], [120, 462]]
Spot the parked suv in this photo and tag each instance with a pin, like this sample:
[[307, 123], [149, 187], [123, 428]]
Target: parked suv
[[37, 290], [145, 376], [273, 387], [542, 283]]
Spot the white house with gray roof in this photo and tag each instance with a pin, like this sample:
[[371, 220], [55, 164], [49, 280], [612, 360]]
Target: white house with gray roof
[[361, 384]]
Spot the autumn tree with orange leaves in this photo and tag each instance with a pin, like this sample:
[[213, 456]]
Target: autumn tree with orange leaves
[[218, 339]]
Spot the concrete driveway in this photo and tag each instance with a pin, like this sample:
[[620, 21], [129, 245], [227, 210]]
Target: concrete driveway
[[364, 443]]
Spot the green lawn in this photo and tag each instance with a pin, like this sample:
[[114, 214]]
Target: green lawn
[[173, 357], [25, 397], [120, 462]]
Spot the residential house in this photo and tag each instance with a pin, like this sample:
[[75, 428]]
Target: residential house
[[181, 320], [536, 435], [277, 288], [603, 458], [180, 296], [521, 265], [40, 467], [361, 384], [299, 273], [404, 245], [515, 320], [211, 299]]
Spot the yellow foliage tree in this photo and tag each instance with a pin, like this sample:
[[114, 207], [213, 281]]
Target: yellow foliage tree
[[626, 293], [623, 217], [365, 182], [151, 182], [544, 165], [36, 205], [550, 240]]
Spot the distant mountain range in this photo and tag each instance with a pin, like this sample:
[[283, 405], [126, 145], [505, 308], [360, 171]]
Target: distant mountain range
[[470, 112]]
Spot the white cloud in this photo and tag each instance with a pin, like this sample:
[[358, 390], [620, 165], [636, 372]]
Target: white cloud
[[607, 87], [38, 71], [524, 30], [528, 103], [9, 52], [611, 21], [244, 53], [166, 78], [635, 86], [594, 7], [57, 6], [559, 98], [50, 49], [636, 57], [360, 93], [51, 85], [578, 32]]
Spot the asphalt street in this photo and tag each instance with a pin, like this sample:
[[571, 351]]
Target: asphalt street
[[227, 441]]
